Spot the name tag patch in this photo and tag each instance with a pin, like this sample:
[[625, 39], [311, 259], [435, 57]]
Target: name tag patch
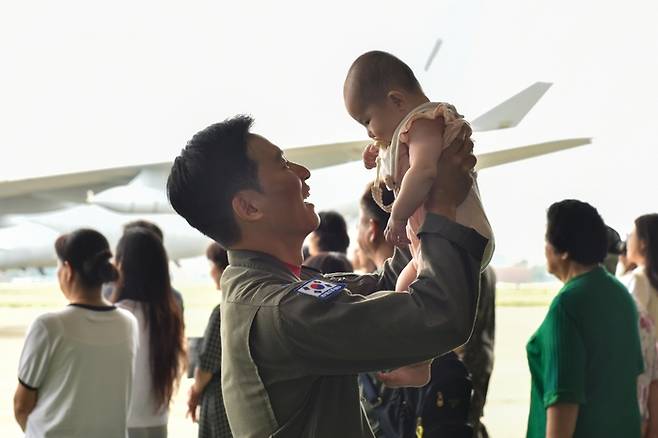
[[320, 288]]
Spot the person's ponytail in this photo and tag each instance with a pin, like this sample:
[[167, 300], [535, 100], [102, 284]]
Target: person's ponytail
[[98, 268]]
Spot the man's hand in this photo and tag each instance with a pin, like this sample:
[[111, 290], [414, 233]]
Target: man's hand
[[193, 399], [396, 232], [370, 154], [453, 180]]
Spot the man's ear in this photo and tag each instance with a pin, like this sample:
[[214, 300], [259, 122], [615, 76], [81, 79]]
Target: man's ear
[[245, 206], [398, 99]]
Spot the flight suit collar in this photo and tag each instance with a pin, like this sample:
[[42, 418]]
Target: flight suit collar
[[266, 262]]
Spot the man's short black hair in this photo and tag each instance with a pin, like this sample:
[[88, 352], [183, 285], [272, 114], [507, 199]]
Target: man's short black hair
[[576, 228], [210, 170], [332, 232], [375, 73]]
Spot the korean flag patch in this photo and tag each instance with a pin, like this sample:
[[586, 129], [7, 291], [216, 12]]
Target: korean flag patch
[[321, 289]]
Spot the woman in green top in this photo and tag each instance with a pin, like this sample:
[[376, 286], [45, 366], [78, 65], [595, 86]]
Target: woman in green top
[[585, 357]]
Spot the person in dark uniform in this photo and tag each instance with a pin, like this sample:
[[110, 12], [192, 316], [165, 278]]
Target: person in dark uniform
[[293, 340], [478, 353]]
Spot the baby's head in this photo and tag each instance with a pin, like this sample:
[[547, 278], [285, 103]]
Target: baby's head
[[379, 91]]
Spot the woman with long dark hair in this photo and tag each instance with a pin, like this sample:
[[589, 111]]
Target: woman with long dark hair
[[76, 368], [642, 250], [144, 289]]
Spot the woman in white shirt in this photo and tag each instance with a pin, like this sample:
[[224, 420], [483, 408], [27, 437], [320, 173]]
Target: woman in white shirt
[[144, 289], [642, 250], [75, 371]]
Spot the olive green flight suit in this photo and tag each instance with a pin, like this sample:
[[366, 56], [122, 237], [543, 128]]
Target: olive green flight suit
[[290, 360]]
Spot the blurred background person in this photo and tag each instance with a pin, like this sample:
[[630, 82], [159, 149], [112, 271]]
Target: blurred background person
[[361, 263], [76, 368], [647, 382], [207, 387], [637, 281], [329, 262], [371, 226], [442, 405], [615, 249], [330, 236], [585, 357], [642, 250], [144, 289], [108, 288], [478, 353]]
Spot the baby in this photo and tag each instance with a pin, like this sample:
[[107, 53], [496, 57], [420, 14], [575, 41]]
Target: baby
[[409, 133]]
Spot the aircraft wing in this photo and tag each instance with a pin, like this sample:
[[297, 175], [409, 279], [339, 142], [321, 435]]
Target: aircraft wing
[[140, 188], [316, 157], [113, 187], [496, 158], [88, 180], [52, 192]]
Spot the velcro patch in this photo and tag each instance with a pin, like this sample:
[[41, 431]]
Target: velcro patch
[[321, 289]]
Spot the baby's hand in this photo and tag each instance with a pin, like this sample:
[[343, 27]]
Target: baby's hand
[[370, 154], [396, 232]]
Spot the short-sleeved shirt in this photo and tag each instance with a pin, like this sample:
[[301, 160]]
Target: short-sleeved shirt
[[80, 360], [587, 351]]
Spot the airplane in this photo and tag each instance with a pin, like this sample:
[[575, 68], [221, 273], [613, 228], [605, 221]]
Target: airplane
[[35, 211]]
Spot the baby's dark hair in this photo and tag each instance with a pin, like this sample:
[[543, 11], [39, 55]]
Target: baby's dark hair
[[373, 74]]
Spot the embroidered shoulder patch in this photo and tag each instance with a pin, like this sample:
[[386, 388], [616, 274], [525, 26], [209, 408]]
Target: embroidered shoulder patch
[[319, 288]]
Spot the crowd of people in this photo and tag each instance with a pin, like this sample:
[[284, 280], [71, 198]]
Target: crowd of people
[[306, 335]]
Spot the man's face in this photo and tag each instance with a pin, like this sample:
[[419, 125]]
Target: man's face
[[283, 190]]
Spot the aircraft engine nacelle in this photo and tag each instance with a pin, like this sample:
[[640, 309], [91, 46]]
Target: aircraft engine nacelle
[[132, 198]]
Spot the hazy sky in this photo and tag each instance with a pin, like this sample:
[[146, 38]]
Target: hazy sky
[[88, 85]]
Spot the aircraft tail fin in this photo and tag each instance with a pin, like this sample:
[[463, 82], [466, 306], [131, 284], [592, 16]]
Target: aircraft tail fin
[[510, 113], [505, 156]]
